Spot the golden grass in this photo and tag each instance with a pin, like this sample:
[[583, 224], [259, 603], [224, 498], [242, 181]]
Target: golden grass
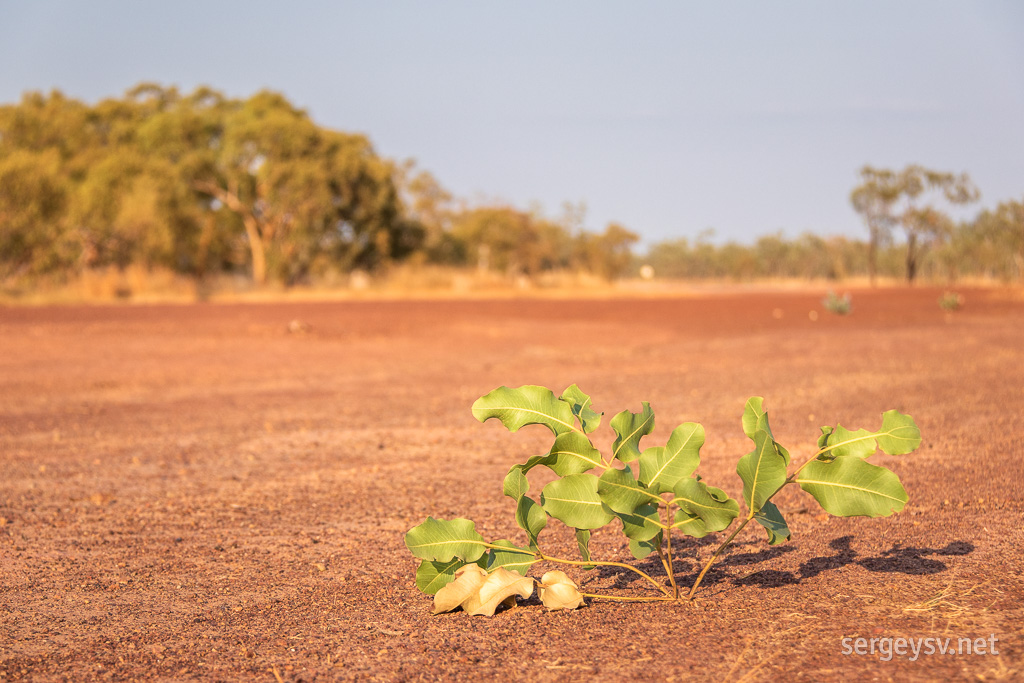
[[136, 284]]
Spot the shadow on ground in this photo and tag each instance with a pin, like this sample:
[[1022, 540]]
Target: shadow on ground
[[896, 560]]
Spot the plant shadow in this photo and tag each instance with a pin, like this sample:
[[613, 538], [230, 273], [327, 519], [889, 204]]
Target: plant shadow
[[898, 559]]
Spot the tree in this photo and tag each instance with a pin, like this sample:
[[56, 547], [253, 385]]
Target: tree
[[1002, 231], [610, 252], [300, 191], [873, 199], [32, 201], [192, 182], [916, 190], [922, 223]]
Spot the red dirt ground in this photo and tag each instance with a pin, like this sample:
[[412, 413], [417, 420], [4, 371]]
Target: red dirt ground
[[196, 493]]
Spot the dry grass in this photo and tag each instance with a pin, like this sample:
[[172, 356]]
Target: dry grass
[[136, 284]]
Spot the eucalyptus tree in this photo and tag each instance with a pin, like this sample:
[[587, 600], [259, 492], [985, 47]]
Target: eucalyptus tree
[[909, 199], [874, 199]]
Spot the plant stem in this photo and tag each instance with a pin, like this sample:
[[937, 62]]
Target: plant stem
[[789, 480], [654, 598], [668, 559], [664, 562], [718, 552], [630, 567], [541, 557]]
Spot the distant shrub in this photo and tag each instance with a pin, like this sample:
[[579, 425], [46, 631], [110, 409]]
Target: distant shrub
[[840, 305], [950, 301]]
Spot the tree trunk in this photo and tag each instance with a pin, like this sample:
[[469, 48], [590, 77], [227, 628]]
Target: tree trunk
[[252, 226], [259, 256], [872, 255], [911, 258]]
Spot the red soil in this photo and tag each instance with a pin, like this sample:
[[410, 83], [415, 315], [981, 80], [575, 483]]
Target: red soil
[[197, 493]]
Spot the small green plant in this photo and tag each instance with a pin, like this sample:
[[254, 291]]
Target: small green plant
[[651, 494], [840, 305], [950, 301]]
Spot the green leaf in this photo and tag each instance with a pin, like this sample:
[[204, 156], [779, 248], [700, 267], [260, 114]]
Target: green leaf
[[519, 562], [432, 576], [763, 471], [851, 487], [572, 453], [443, 540], [534, 460], [629, 429], [621, 492], [899, 434], [755, 418], [583, 545], [642, 524], [662, 466], [690, 524], [580, 405], [516, 485], [574, 500], [846, 443], [771, 519], [711, 504], [531, 518], [641, 549], [523, 406], [752, 412]]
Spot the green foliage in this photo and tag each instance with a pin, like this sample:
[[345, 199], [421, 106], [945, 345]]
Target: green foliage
[[527, 405], [203, 183], [950, 301], [658, 495], [629, 428], [840, 305], [917, 191]]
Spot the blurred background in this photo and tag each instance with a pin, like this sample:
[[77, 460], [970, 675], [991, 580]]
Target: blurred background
[[196, 150]]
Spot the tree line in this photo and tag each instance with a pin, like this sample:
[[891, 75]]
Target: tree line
[[205, 184], [910, 234], [202, 183]]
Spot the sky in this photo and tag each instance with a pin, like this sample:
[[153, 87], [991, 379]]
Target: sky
[[671, 118]]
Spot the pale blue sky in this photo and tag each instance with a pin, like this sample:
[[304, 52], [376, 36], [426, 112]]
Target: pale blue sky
[[669, 117]]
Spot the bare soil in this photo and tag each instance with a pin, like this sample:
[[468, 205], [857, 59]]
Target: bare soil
[[220, 492]]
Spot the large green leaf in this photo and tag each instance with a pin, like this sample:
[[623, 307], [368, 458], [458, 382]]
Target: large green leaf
[[851, 487], [899, 434], [572, 453], [516, 484], [843, 442], [629, 429], [574, 500], [711, 504], [580, 405], [432, 576], [662, 466], [763, 471], [641, 549], [523, 406], [443, 540], [622, 492], [755, 419], [512, 559], [642, 524], [690, 524], [771, 519], [531, 518]]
